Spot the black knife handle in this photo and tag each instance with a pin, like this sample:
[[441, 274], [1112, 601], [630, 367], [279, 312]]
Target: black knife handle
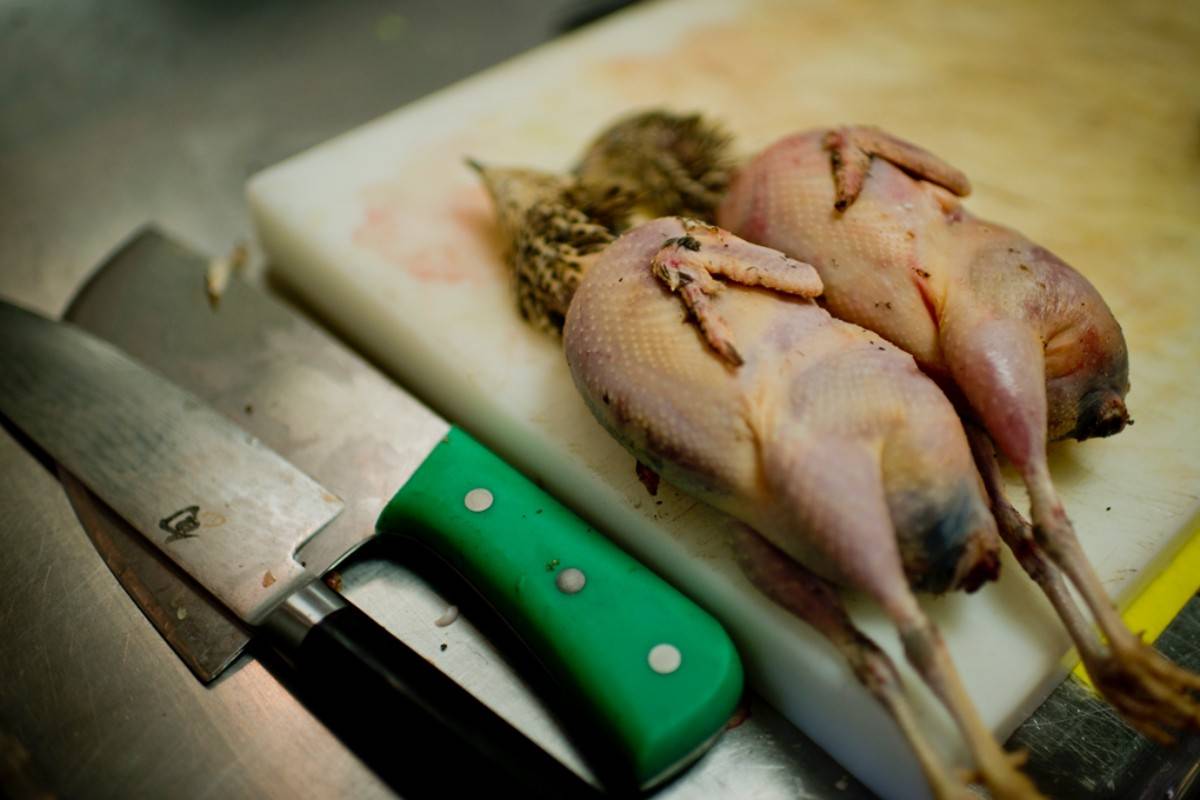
[[433, 738]]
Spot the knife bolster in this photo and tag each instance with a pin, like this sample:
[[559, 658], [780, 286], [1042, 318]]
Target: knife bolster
[[296, 617]]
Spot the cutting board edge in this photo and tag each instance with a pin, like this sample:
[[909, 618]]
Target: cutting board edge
[[474, 91]]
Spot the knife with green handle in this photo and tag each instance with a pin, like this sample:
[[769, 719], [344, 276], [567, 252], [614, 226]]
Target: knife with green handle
[[656, 671], [656, 676]]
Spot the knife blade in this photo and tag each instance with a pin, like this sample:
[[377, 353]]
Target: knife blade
[[458, 498], [282, 378]]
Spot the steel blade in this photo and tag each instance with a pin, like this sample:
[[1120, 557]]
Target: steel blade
[[224, 507], [201, 631], [275, 374]]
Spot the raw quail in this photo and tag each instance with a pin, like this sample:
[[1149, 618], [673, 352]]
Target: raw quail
[[1022, 342]]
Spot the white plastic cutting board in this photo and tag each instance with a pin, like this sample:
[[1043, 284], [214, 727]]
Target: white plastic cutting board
[[1074, 128]]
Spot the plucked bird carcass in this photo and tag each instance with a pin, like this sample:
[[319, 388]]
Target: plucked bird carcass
[[1022, 342]]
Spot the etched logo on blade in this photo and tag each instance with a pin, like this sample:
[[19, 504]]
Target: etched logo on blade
[[182, 524]]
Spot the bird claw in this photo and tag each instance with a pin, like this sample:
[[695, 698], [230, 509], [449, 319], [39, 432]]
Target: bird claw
[[851, 150], [695, 286], [1154, 696], [687, 264]]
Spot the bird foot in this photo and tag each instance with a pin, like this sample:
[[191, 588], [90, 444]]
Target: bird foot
[[696, 286], [687, 264], [1156, 697], [851, 150], [1003, 779]]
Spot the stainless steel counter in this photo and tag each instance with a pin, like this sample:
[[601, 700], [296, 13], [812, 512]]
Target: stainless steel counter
[[113, 115]]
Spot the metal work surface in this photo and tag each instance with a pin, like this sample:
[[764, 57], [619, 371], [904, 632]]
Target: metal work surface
[[115, 115], [1078, 747], [107, 419]]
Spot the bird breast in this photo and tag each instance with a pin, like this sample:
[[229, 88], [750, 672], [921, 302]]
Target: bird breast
[[708, 427]]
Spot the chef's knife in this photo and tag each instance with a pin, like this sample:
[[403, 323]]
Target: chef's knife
[[658, 675]]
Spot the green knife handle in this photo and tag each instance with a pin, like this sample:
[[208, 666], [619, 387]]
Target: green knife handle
[[656, 673]]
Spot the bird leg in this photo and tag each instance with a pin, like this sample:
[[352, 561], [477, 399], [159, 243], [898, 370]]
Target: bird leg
[[817, 602], [927, 653], [1017, 533], [836, 488], [1154, 695], [687, 264], [999, 366], [851, 150]]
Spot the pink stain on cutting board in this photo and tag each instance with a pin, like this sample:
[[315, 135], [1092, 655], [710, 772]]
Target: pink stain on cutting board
[[436, 229], [739, 79]]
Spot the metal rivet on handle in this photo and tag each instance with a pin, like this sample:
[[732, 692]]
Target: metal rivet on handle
[[570, 581], [665, 658], [478, 500]]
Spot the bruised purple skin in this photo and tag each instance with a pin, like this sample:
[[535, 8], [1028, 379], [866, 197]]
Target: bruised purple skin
[[1087, 363], [1027, 290]]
